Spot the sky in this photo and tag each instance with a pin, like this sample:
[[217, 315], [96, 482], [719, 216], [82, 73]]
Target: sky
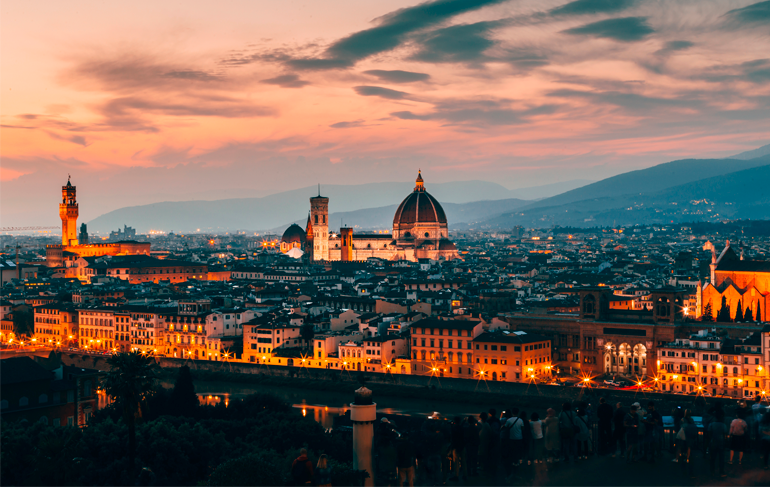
[[149, 101]]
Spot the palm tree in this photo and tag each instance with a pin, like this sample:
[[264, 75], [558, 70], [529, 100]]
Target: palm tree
[[129, 382]]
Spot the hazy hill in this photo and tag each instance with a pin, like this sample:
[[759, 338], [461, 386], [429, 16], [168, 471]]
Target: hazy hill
[[277, 209], [739, 194], [652, 179], [753, 154]]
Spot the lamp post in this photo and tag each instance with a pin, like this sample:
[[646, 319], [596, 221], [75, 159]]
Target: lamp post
[[363, 413]]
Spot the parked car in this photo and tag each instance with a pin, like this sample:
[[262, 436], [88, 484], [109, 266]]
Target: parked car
[[612, 383]]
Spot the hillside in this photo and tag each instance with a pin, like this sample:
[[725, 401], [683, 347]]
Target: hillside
[[652, 179], [274, 210], [740, 194]]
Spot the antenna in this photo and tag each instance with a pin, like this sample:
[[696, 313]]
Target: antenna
[[319, 189]]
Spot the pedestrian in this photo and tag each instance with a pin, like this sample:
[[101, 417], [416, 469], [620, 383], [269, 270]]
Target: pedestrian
[[738, 437], [323, 472], [631, 424], [583, 437], [691, 441], [764, 439], [568, 429], [619, 434], [407, 457], [652, 420], [526, 438], [605, 413], [434, 447], [486, 444], [458, 450], [472, 440], [515, 427], [552, 437], [506, 444], [757, 410], [302, 469], [538, 440], [387, 456], [717, 433]]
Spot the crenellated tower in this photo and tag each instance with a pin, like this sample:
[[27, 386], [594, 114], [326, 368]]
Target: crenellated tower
[[319, 219], [68, 212]]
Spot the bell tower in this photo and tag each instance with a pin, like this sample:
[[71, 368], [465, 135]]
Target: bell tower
[[319, 219], [68, 212]]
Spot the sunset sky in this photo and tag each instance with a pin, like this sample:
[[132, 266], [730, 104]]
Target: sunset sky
[[149, 101]]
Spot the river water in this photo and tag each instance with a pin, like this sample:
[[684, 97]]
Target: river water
[[324, 406]]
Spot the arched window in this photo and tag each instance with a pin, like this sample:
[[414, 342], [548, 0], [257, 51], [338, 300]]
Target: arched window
[[408, 234], [43, 398], [422, 354], [589, 304], [469, 358], [450, 356], [3, 404], [44, 419], [427, 234], [23, 402], [316, 218], [735, 370]]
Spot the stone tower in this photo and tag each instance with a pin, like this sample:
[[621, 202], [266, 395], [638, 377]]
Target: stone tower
[[346, 254], [319, 219], [68, 212]]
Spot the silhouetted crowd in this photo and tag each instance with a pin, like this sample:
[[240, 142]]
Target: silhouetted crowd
[[517, 445]]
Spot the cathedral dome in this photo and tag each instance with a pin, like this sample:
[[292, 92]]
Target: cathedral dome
[[294, 235], [419, 207]]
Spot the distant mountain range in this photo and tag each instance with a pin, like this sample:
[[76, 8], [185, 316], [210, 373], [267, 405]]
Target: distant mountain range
[[680, 191], [712, 190], [276, 210]]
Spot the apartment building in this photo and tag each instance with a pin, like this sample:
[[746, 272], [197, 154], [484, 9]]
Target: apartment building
[[512, 356], [444, 347]]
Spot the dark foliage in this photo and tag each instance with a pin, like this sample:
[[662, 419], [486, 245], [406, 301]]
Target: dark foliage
[[184, 401], [708, 313], [223, 445]]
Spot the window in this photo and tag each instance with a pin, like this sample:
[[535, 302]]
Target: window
[[3, 404], [42, 399], [23, 402], [57, 422], [503, 348], [87, 388]]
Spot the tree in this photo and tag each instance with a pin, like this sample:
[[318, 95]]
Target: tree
[[758, 314], [747, 315], [724, 311], [184, 401], [23, 322], [307, 332], [129, 382], [739, 311], [708, 313]]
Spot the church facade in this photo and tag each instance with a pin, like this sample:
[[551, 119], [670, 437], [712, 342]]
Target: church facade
[[738, 287], [420, 231]]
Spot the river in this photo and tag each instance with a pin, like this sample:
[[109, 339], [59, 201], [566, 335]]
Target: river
[[324, 406]]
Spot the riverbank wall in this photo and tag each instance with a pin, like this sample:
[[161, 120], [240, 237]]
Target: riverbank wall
[[496, 393]]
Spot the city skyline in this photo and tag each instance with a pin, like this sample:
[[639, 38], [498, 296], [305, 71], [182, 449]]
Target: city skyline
[[149, 103]]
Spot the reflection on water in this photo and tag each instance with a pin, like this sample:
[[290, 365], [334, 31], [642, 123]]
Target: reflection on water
[[324, 406], [212, 399]]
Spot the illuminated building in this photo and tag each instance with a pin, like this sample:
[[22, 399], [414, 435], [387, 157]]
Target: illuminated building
[[711, 364], [420, 231], [56, 255], [743, 285], [56, 325], [444, 347], [263, 335], [512, 356], [96, 328]]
